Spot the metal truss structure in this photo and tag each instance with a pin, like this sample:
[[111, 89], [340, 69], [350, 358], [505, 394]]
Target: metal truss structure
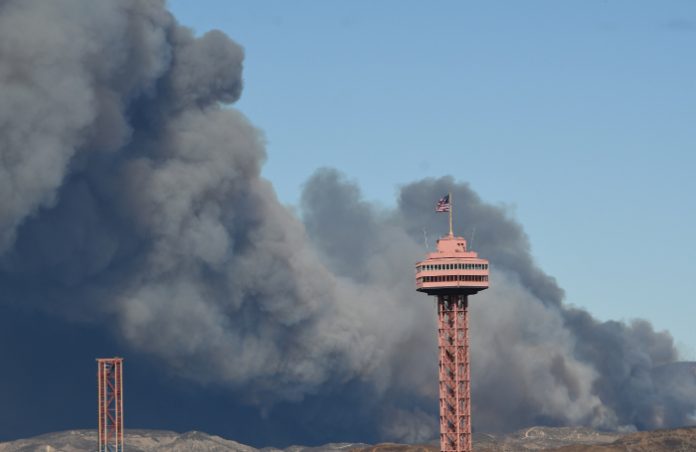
[[110, 404]]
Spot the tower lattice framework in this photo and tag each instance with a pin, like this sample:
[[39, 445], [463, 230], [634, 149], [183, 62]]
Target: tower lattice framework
[[110, 404], [455, 399]]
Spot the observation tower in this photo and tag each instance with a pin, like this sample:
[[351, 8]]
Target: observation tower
[[452, 273], [110, 404]]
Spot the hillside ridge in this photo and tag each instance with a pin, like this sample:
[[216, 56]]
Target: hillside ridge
[[550, 439]]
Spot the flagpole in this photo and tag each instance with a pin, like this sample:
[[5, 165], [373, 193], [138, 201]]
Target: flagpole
[[450, 213]]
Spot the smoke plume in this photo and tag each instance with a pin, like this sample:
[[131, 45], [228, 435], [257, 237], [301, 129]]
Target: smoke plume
[[132, 210]]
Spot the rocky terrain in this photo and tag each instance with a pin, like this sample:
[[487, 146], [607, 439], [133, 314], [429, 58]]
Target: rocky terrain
[[562, 439]]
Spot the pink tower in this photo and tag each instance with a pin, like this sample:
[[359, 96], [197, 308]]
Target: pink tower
[[452, 274], [110, 404]]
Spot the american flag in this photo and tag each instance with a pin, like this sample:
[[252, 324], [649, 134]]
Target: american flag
[[443, 205]]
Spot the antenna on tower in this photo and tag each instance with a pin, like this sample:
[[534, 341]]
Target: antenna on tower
[[425, 239], [451, 208], [471, 242]]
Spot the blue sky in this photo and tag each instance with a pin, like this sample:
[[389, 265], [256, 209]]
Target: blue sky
[[578, 116]]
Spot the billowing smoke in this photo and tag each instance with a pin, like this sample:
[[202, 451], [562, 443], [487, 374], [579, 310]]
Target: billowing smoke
[[131, 201], [535, 360]]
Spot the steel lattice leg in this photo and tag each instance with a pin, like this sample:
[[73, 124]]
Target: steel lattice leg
[[455, 401]]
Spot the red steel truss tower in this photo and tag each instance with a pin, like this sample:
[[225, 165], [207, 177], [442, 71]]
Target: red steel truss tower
[[110, 403], [452, 274]]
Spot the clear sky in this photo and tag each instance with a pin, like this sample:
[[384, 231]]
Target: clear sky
[[579, 116]]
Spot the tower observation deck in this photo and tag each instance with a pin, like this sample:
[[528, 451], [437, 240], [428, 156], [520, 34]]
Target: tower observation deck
[[452, 273]]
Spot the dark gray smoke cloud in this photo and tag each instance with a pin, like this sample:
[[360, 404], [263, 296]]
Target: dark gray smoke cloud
[[132, 210], [535, 360]]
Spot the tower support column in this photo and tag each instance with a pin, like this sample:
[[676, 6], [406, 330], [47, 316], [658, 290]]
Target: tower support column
[[110, 404], [455, 398]]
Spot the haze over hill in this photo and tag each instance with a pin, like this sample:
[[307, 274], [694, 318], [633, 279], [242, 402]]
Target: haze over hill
[[134, 221]]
